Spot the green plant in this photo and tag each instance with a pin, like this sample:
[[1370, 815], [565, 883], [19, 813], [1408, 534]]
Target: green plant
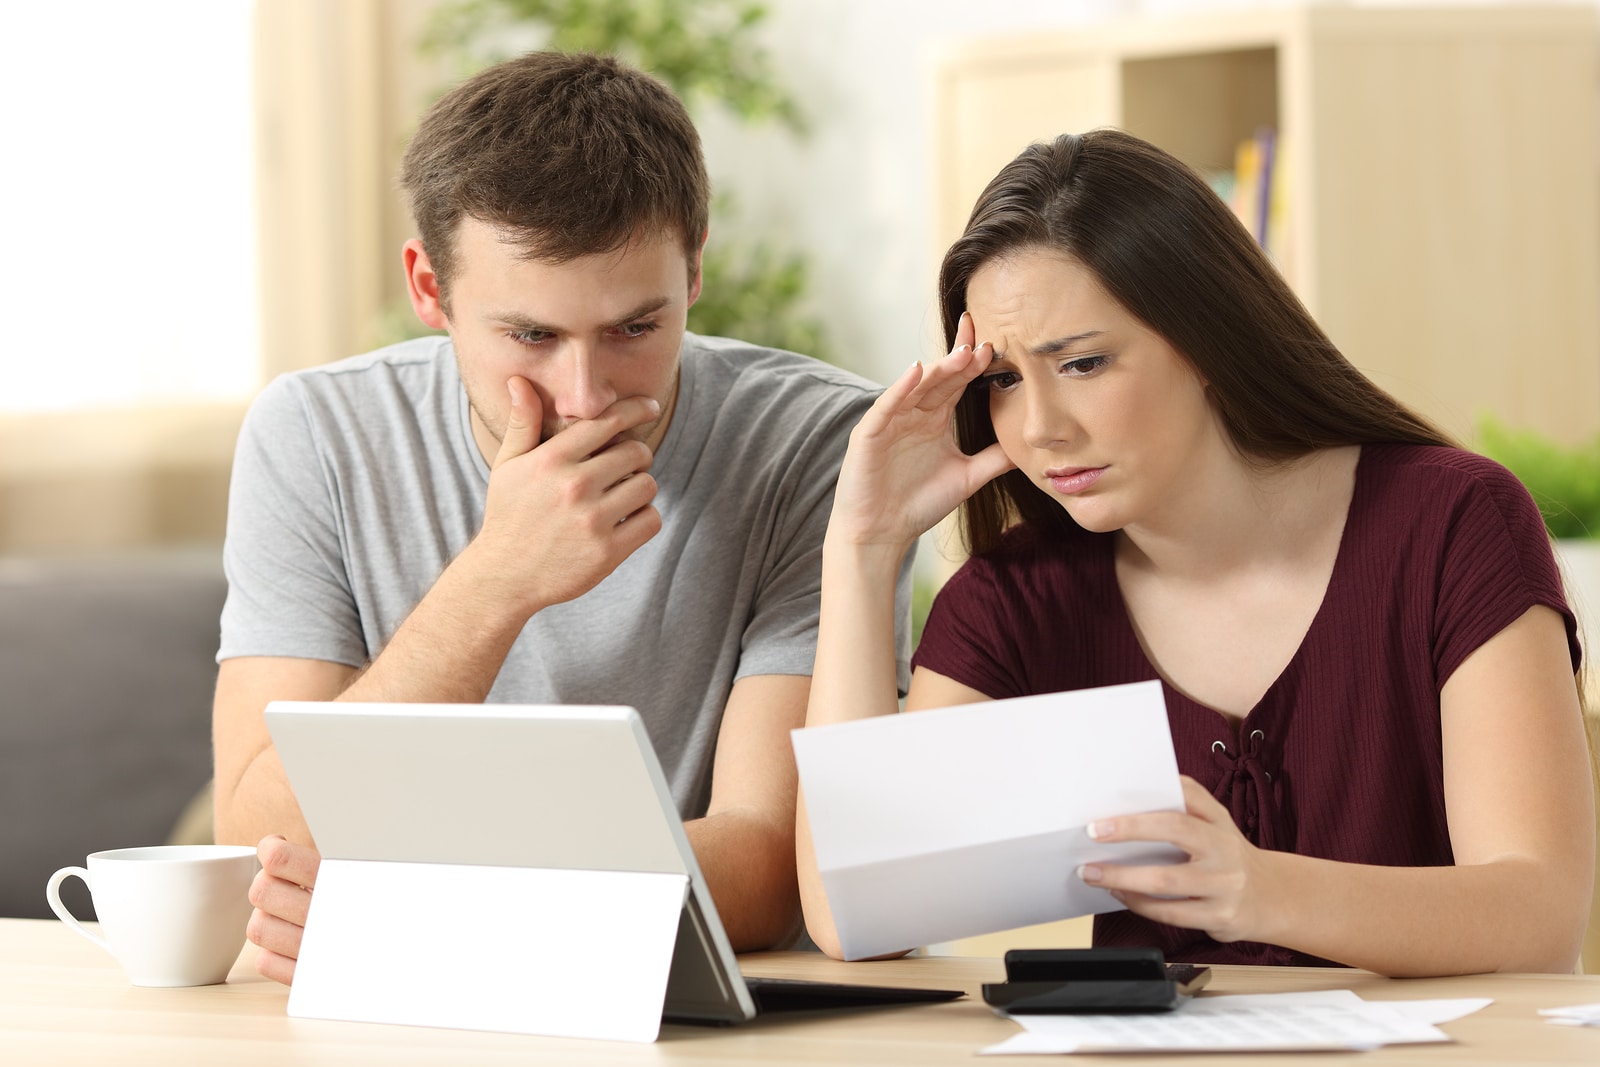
[[702, 49], [1564, 481], [922, 594], [706, 52], [753, 291]]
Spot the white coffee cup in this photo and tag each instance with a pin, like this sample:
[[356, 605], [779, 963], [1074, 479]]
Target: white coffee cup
[[172, 915]]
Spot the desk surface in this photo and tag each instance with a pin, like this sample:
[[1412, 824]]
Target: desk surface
[[63, 1002]]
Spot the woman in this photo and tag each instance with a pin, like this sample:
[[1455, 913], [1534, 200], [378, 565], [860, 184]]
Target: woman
[[1167, 471]]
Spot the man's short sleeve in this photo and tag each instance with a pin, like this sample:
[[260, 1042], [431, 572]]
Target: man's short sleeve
[[782, 632], [288, 591]]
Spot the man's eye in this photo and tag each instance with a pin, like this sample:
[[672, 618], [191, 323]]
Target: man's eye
[[528, 337], [636, 329]]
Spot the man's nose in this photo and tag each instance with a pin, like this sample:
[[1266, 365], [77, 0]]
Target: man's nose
[[585, 392]]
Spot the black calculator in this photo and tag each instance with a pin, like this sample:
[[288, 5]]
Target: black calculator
[[1045, 981]]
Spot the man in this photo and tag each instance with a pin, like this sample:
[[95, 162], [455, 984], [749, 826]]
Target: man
[[569, 500]]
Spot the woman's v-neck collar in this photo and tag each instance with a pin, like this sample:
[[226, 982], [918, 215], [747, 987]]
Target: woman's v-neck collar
[[1350, 538]]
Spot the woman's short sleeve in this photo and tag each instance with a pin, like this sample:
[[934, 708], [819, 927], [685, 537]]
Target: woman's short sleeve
[[970, 636], [1496, 564]]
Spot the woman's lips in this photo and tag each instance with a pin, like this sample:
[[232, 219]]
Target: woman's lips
[[1069, 480]]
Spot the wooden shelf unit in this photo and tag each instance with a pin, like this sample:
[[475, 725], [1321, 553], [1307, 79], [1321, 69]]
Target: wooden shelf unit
[[1443, 167]]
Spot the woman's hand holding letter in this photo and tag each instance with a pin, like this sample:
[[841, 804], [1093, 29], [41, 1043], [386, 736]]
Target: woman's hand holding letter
[[1218, 890]]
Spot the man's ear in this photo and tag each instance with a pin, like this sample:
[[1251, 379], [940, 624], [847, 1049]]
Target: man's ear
[[694, 265], [422, 285]]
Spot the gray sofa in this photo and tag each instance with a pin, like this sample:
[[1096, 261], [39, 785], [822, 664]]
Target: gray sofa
[[107, 666]]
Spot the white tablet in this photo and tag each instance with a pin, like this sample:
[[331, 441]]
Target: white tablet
[[484, 788], [511, 867]]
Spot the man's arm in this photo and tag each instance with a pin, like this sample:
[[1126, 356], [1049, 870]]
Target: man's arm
[[251, 796], [745, 842], [559, 517], [448, 651]]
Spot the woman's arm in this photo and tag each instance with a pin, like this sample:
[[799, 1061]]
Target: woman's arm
[[1519, 798], [903, 472]]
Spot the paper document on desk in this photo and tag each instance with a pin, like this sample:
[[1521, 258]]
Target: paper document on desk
[[1573, 1015], [1268, 1022], [967, 820]]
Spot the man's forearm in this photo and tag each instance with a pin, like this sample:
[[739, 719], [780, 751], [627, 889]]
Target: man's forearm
[[748, 863], [260, 804], [451, 647], [449, 650]]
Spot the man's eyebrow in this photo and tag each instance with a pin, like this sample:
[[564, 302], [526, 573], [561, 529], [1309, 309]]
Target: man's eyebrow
[[649, 307], [518, 321]]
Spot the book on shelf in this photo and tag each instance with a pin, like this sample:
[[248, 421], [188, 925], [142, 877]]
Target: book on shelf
[[1257, 189]]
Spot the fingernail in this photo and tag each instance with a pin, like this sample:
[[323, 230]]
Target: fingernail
[[1089, 873], [1100, 828]]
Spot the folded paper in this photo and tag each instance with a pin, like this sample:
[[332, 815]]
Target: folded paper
[[967, 820]]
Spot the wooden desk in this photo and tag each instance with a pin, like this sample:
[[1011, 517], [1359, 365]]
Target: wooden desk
[[64, 1002]]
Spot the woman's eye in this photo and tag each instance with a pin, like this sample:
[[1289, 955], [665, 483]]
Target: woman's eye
[[1079, 368], [996, 383]]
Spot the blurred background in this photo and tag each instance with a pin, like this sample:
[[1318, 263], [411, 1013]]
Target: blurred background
[[200, 195]]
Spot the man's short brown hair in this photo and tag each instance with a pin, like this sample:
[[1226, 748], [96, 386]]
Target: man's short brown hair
[[567, 154]]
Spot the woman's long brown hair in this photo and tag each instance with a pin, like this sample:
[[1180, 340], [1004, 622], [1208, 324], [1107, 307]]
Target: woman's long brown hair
[[1166, 248]]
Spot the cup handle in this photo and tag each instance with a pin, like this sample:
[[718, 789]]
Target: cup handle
[[52, 893]]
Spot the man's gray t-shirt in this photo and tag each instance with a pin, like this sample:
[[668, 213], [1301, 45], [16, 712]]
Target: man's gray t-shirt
[[356, 483]]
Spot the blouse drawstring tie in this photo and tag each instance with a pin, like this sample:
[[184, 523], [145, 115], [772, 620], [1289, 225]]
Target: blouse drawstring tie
[[1250, 791]]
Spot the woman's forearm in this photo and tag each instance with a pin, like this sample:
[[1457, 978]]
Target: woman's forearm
[[854, 678], [1511, 914], [855, 673]]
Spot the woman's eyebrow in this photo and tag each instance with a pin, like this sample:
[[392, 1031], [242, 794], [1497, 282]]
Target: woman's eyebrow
[[1060, 344]]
